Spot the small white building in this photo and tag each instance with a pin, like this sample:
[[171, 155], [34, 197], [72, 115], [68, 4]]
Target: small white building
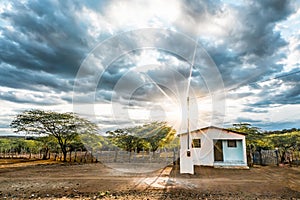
[[212, 146]]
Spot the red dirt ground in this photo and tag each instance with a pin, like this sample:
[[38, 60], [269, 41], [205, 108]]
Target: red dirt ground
[[55, 180]]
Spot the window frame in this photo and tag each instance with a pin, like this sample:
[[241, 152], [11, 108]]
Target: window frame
[[229, 143], [198, 142]]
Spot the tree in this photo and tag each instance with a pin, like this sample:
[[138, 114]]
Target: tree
[[157, 134], [123, 139], [46, 144], [65, 127], [174, 144], [5, 146], [32, 146], [289, 141], [93, 143], [17, 145], [153, 135]]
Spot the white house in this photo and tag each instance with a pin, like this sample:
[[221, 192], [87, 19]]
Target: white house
[[212, 146]]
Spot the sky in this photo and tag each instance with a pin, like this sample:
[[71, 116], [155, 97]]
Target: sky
[[125, 63]]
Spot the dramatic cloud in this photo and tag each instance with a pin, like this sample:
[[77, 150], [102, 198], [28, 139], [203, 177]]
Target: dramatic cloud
[[52, 50]]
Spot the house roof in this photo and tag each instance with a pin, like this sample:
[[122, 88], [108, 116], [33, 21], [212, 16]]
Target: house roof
[[214, 127]]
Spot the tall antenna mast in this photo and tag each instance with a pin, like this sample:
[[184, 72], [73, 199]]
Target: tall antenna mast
[[188, 126], [188, 101]]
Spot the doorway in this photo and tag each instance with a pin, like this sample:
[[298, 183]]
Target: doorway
[[218, 150]]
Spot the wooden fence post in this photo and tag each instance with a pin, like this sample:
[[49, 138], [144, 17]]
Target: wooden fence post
[[116, 155]]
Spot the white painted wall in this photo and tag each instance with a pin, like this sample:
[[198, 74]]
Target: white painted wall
[[203, 155], [186, 163]]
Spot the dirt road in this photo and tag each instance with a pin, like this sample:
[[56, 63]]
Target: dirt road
[[51, 180]]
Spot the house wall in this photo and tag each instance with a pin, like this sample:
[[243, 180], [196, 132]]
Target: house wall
[[233, 153], [186, 163], [205, 154]]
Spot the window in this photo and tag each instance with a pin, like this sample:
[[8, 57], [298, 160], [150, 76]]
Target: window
[[231, 143], [196, 143]]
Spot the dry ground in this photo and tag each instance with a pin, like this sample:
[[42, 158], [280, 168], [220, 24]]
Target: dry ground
[[54, 180]]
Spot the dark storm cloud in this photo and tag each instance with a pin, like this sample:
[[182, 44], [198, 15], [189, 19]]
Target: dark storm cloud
[[257, 34], [45, 37], [37, 99], [252, 45], [291, 95], [27, 79], [271, 98], [277, 125], [267, 125], [43, 44], [255, 27], [292, 77], [250, 50], [125, 75], [247, 120], [202, 10], [105, 95], [271, 94], [50, 37], [43, 50], [114, 72]]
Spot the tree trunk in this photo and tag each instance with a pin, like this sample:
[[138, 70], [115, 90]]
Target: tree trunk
[[45, 154], [70, 156], [80, 155], [63, 148], [64, 155], [75, 157]]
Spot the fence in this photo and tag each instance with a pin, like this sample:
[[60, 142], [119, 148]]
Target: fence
[[269, 157], [161, 156], [13, 153], [166, 156], [79, 156], [116, 156]]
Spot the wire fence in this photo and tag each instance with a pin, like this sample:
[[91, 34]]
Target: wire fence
[[161, 156], [116, 156], [108, 156], [274, 157]]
